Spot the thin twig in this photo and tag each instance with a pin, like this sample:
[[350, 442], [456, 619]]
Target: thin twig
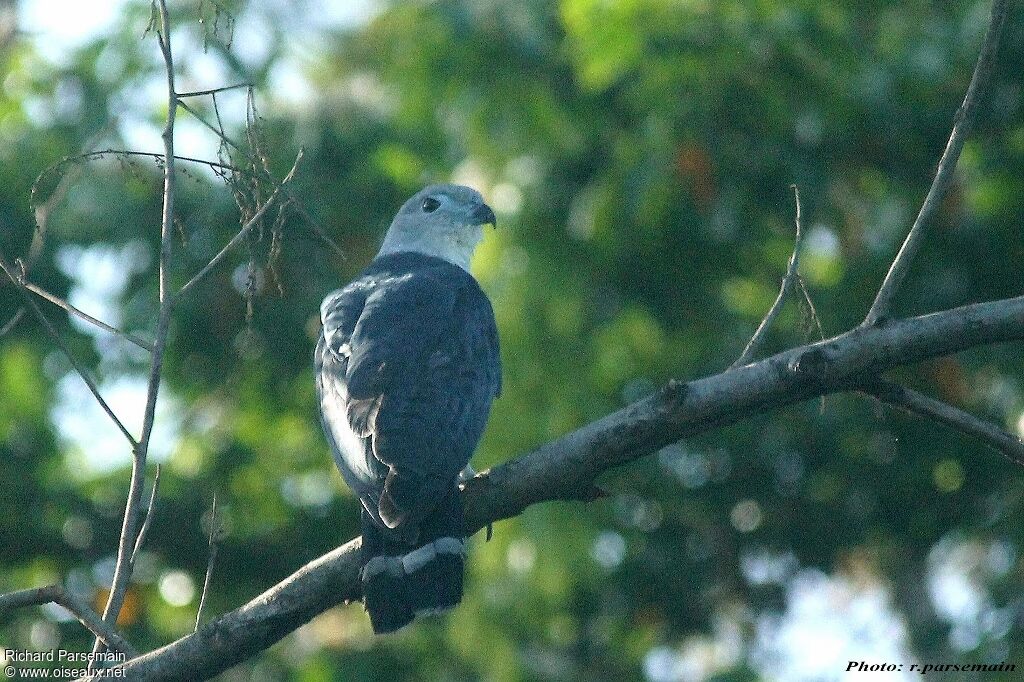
[[962, 125], [12, 323], [242, 232], [219, 133], [130, 523], [155, 156], [55, 335], [79, 609], [790, 280], [910, 400], [44, 210], [298, 205], [213, 91], [57, 301], [810, 304], [300, 208], [144, 531], [209, 562]]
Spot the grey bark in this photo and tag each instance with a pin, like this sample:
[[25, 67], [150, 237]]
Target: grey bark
[[564, 469]]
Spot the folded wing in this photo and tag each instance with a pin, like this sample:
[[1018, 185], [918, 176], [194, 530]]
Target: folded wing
[[407, 367]]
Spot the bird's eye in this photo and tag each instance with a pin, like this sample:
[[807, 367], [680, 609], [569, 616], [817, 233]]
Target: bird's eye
[[430, 204]]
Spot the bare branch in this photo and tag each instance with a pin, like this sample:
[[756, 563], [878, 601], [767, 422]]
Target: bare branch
[[314, 224], [912, 401], [962, 125], [155, 156], [789, 281], [44, 210], [810, 305], [564, 469], [79, 609], [9, 270], [12, 323], [140, 541], [42, 220], [298, 205], [214, 91], [57, 301], [215, 129], [130, 523], [214, 530], [253, 221]]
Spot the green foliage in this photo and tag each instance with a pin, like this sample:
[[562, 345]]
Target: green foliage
[[640, 155]]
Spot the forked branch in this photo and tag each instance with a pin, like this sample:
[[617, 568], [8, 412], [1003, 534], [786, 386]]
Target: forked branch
[[790, 281], [11, 271]]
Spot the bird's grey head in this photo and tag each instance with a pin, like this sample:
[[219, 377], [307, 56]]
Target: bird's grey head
[[445, 221]]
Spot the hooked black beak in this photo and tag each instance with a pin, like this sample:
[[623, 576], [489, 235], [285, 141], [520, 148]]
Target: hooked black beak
[[483, 215]]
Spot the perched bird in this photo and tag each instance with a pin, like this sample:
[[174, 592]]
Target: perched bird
[[406, 368]]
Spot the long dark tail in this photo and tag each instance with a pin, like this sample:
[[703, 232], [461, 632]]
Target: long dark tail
[[403, 580]]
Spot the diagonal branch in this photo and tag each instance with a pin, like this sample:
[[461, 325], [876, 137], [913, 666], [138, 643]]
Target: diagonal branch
[[912, 401], [320, 230], [55, 335], [790, 281], [61, 303], [299, 206], [12, 323], [962, 125], [56, 594], [214, 129], [564, 469], [214, 91], [252, 222]]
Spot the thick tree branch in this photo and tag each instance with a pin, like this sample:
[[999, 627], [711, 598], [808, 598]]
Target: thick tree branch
[[912, 401], [565, 469], [962, 125]]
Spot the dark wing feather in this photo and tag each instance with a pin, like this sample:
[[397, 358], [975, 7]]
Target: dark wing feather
[[400, 325], [362, 415], [421, 367]]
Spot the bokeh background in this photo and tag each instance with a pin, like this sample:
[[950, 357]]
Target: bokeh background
[[639, 154]]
